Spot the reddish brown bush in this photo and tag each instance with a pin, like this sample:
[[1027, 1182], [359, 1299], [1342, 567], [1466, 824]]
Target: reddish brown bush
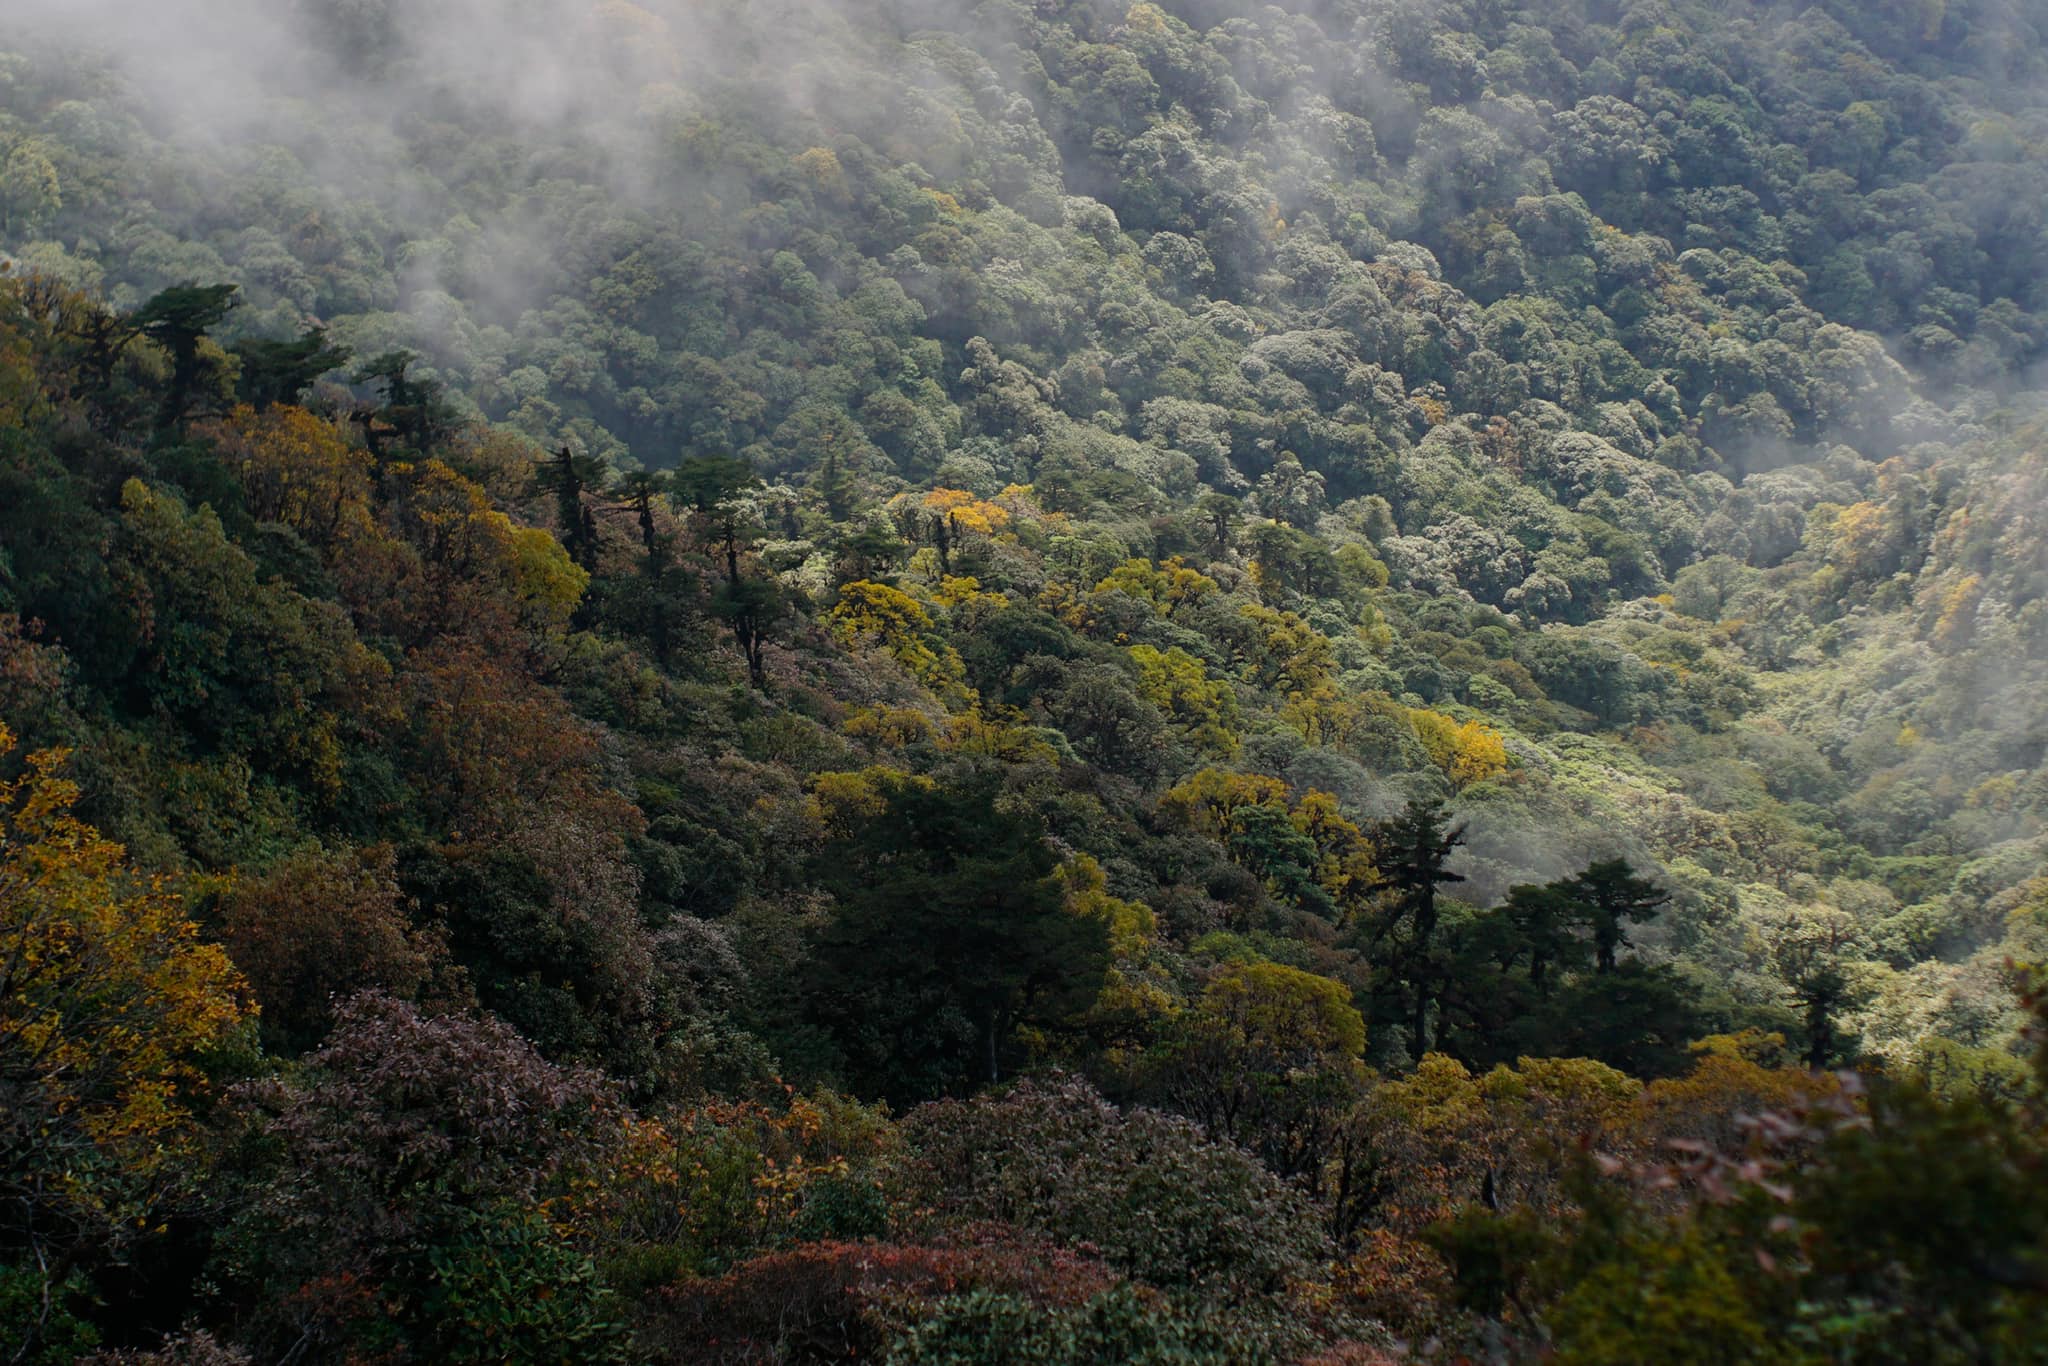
[[317, 927], [838, 1301]]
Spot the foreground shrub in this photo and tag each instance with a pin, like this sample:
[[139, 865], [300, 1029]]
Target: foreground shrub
[[398, 1207], [1158, 1200], [840, 1301], [1124, 1326]]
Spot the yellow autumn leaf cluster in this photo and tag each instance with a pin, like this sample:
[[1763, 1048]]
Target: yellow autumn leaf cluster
[[108, 998], [965, 512], [841, 802], [888, 616], [1204, 709], [1169, 587], [1468, 752]]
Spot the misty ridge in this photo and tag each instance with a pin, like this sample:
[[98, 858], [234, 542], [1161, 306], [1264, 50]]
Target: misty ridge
[[580, 90], [1046, 682], [363, 97]]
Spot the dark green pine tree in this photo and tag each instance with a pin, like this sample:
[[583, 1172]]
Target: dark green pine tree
[[747, 604], [568, 476], [949, 934], [873, 552], [178, 320], [1400, 932], [1546, 922], [413, 411], [836, 486], [1609, 898], [639, 490], [275, 372]]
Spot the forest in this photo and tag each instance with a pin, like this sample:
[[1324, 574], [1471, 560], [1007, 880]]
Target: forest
[[1337, 682]]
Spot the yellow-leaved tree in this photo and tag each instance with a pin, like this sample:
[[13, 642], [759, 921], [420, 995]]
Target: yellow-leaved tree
[[109, 1005], [888, 616], [1468, 753], [944, 518], [1202, 709], [1138, 992]]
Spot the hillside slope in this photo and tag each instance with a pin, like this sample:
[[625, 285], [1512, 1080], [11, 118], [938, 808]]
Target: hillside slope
[[1259, 562]]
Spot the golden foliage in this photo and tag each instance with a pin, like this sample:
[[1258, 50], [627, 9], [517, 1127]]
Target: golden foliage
[[1275, 1007], [997, 733], [1211, 799], [891, 618], [1283, 653], [1467, 753], [1324, 715], [1169, 587], [894, 727], [1137, 988], [1958, 612], [724, 1176], [1861, 539], [820, 166], [108, 999], [1133, 928], [964, 599], [298, 470], [1204, 709], [841, 803], [548, 583], [876, 609], [965, 512], [1344, 865], [1736, 1075]]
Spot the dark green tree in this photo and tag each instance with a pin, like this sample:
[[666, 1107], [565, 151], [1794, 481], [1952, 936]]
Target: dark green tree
[[836, 485], [873, 552], [639, 491], [178, 320], [568, 476], [1821, 992], [1546, 923], [1400, 930], [748, 604], [948, 935], [1265, 840], [1609, 897], [1638, 1017], [1221, 512], [412, 410], [275, 372]]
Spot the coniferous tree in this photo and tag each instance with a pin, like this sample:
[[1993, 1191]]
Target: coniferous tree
[[949, 934], [275, 372], [568, 476], [414, 411], [1610, 898], [1400, 931], [748, 604], [178, 320]]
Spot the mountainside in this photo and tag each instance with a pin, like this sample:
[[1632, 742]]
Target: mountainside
[[993, 683]]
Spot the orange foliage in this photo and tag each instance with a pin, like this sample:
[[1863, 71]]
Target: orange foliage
[[1736, 1076]]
